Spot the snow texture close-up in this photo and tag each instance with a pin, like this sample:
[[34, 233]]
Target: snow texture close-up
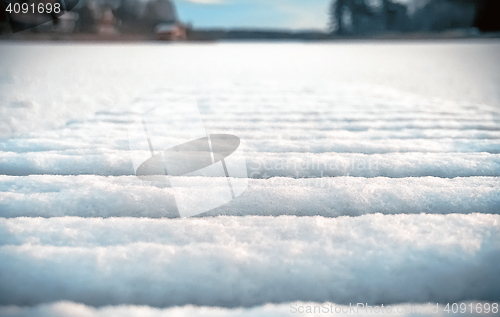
[[373, 177]]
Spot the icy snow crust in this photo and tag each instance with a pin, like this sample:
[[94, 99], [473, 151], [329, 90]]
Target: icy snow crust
[[309, 309], [358, 190], [99, 196], [247, 261]]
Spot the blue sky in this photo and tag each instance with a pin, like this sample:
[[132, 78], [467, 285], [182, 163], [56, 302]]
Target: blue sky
[[275, 14]]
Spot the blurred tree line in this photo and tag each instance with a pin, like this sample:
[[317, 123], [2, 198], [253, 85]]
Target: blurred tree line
[[368, 17], [131, 16], [94, 16], [348, 18]]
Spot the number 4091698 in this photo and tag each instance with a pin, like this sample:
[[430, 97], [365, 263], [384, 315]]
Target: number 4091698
[[472, 308], [33, 8]]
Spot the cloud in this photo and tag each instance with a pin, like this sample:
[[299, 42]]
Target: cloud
[[205, 1], [305, 15]]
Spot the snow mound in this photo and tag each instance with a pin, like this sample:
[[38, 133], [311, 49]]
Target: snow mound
[[248, 261], [98, 196], [64, 308], [266, 165]]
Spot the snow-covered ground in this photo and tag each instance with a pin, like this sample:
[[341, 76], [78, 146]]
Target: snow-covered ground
[[374, 178], [253, 260]]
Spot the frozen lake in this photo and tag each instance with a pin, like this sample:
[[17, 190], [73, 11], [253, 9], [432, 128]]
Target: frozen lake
[[374, 177]]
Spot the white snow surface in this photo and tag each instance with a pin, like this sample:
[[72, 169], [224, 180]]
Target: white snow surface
[[99, 196], [309, 309], [374, 178], [248, 261], [266, 165]]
